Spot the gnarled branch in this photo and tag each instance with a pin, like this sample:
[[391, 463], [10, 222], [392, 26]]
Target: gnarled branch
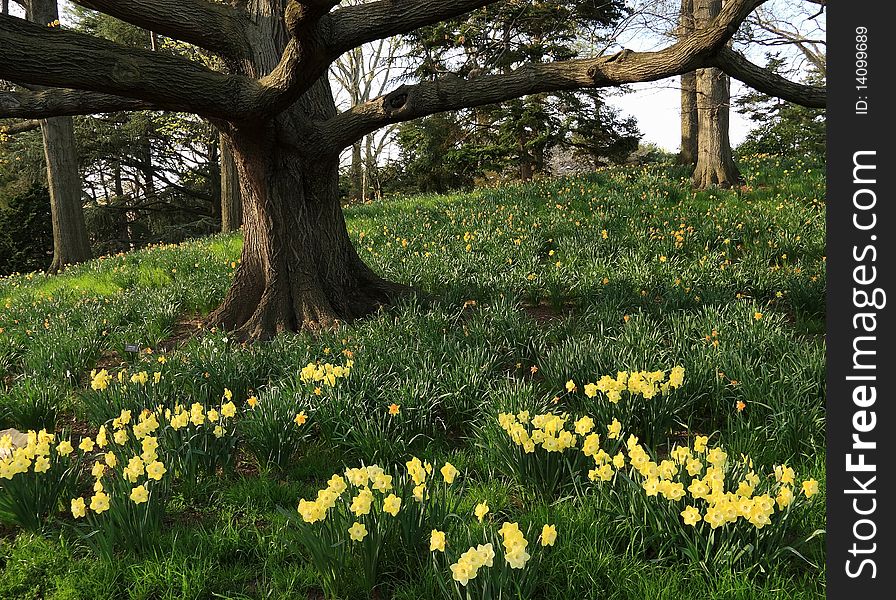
[[48, 103], [767, 82], [452, 93], [215, 27], [355, 25], [319, 37], [32, 54]]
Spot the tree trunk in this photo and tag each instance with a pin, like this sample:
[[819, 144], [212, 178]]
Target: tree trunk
[[357, 172], [231, 201], [70, 242], [689, 119], [715, 163], [299, 268]]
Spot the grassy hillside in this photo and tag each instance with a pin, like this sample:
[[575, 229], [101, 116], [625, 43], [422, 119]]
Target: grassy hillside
[[529, 293]]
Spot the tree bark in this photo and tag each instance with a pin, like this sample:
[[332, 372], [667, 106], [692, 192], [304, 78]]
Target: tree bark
[[70, 242], [715, 162], [231, 200], [357, 172], [298, 268], [689, 118]]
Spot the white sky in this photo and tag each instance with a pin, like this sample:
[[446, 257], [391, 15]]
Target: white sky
[[656, 106]]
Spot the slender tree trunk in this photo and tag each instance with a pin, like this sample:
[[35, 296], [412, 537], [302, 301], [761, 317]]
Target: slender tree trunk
[[70, 242], [689, 118], [357, 172], [298, 269], [231, 200], [715, 163]]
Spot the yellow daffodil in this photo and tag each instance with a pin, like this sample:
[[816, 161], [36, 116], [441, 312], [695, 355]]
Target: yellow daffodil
[[392, 504], [437, 541], [139, 494], [79, 509], [449, 472], [810, 488], [480, 511], [357, 532], [691, 515], [548, 535]]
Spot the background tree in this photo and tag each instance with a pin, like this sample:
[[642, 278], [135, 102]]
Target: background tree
[[689, 117], [518, 134], [361, 74], [70, 242], [783, 127], [715, 160], [274, 104]]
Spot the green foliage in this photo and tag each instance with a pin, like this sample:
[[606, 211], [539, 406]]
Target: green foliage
[[497, 305], [26, 231], [32, 403], [783, 128], [515, 137], [436, 157]]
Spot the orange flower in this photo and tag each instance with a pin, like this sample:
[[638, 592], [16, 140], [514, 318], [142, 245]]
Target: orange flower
[[740, 406], [252, 401], [393, 409]]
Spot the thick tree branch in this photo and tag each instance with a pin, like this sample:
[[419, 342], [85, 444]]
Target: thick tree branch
[[61, 103], [33, 54], [767, 82], [215, 27], [355, 25], [319, 37], [20, 127], [452, 93]]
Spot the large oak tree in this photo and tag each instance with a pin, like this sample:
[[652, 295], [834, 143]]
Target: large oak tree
[[299, 268]]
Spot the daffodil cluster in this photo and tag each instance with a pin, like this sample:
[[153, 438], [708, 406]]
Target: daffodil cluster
[[468, 570], [556, 434], [469, 563], [713, 488], [366, 508], [646, 384], [36, 455], [326, 373], [125, 464]]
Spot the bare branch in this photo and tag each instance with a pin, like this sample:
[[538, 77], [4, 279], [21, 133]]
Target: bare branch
[[767, 82], [453, 93], [60, 103], [215, 27], [32, 55]]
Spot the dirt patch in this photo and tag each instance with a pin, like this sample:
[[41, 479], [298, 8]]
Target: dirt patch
[[182, 331], [545, 313], [110, 359], [75, 427]]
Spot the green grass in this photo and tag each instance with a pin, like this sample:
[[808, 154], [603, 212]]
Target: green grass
[[624, 269]]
